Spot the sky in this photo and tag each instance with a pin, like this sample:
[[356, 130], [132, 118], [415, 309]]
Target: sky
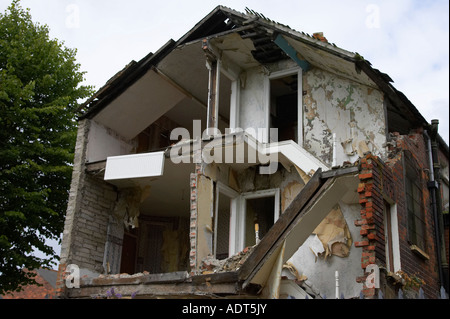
[[407, 39]]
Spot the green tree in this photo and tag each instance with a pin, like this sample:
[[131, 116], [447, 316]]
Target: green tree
[[40, 90]]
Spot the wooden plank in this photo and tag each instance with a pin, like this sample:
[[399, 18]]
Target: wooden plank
[[340, 171], [288, 229], [290, 51], [223, 277], [172, 277], [156, 290], [96, 167], [273, 235]]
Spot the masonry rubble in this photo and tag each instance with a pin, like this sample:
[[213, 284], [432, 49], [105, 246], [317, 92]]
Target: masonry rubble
[[210, 264]]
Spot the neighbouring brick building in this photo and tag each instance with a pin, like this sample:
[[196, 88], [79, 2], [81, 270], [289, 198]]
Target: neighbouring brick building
[[45, 289], [249, 159]]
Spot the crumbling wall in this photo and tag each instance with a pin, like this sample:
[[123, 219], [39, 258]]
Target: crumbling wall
[[91, 201], [352, 111]]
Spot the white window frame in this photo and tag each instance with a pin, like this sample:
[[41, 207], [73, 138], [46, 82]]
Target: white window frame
[[231, 193], [238, 223], [395, 237], [277, 75]]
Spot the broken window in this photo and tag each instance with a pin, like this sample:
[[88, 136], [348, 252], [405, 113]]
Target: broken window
[[284, 113], [414, 198]]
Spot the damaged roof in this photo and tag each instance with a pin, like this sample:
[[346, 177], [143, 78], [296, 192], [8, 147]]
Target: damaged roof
[[270, 41]]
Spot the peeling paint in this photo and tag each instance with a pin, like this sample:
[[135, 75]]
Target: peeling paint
[[351, 110]]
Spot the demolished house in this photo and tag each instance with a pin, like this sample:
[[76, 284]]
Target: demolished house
[[250, 160]]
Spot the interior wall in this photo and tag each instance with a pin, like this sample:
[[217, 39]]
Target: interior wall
[[104, 142], [163, 244], [352, 111], [252, 110], [320, 271]]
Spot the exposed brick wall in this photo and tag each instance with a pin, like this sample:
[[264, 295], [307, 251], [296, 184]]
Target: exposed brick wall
[[91, 202], [92, 223], [193, 224], [194, 179], [375, 184], [378, 181], [411, 263]]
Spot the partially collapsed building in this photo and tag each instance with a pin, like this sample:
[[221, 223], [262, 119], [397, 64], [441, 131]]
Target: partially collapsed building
[[251, 160]]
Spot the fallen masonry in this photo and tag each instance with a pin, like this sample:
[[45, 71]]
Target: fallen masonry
[[211, 265]]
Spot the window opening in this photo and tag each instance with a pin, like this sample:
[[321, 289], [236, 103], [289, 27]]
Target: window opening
[[129, 252], [259, 217], [223, 226], [284, 106], [225, 208]]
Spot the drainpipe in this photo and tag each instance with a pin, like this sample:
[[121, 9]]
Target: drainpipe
[[433, 186]]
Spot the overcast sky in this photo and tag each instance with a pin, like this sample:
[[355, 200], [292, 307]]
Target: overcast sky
[[407, 39]]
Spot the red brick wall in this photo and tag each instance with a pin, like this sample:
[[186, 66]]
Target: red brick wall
[[379, 180], [411, 263], [376, 183]]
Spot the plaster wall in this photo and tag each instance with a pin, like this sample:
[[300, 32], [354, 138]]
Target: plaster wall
[[321, 272], [104, 142], [252, 110], [353, 111]]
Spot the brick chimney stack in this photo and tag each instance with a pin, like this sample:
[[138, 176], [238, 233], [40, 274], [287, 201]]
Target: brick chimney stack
[[319, 36]]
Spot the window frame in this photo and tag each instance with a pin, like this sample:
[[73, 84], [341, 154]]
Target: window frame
[[392, 242], [415, 207], [280, 74], [239, 222], [234, 196]]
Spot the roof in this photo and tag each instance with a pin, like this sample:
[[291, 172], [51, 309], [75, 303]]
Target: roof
[[271, 41], [46, 278]]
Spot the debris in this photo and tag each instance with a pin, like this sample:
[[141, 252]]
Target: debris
[[334, 234], [289, 266], [211, 265]]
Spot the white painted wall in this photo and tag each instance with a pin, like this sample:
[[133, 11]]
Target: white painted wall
[[104, 142], [354, 112], [252, 110], [321, 273]]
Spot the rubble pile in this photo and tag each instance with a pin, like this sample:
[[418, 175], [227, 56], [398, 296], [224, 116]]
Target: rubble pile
[[211, 265]]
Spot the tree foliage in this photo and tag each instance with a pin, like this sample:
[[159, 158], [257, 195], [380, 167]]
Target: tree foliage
[[40, 86]]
